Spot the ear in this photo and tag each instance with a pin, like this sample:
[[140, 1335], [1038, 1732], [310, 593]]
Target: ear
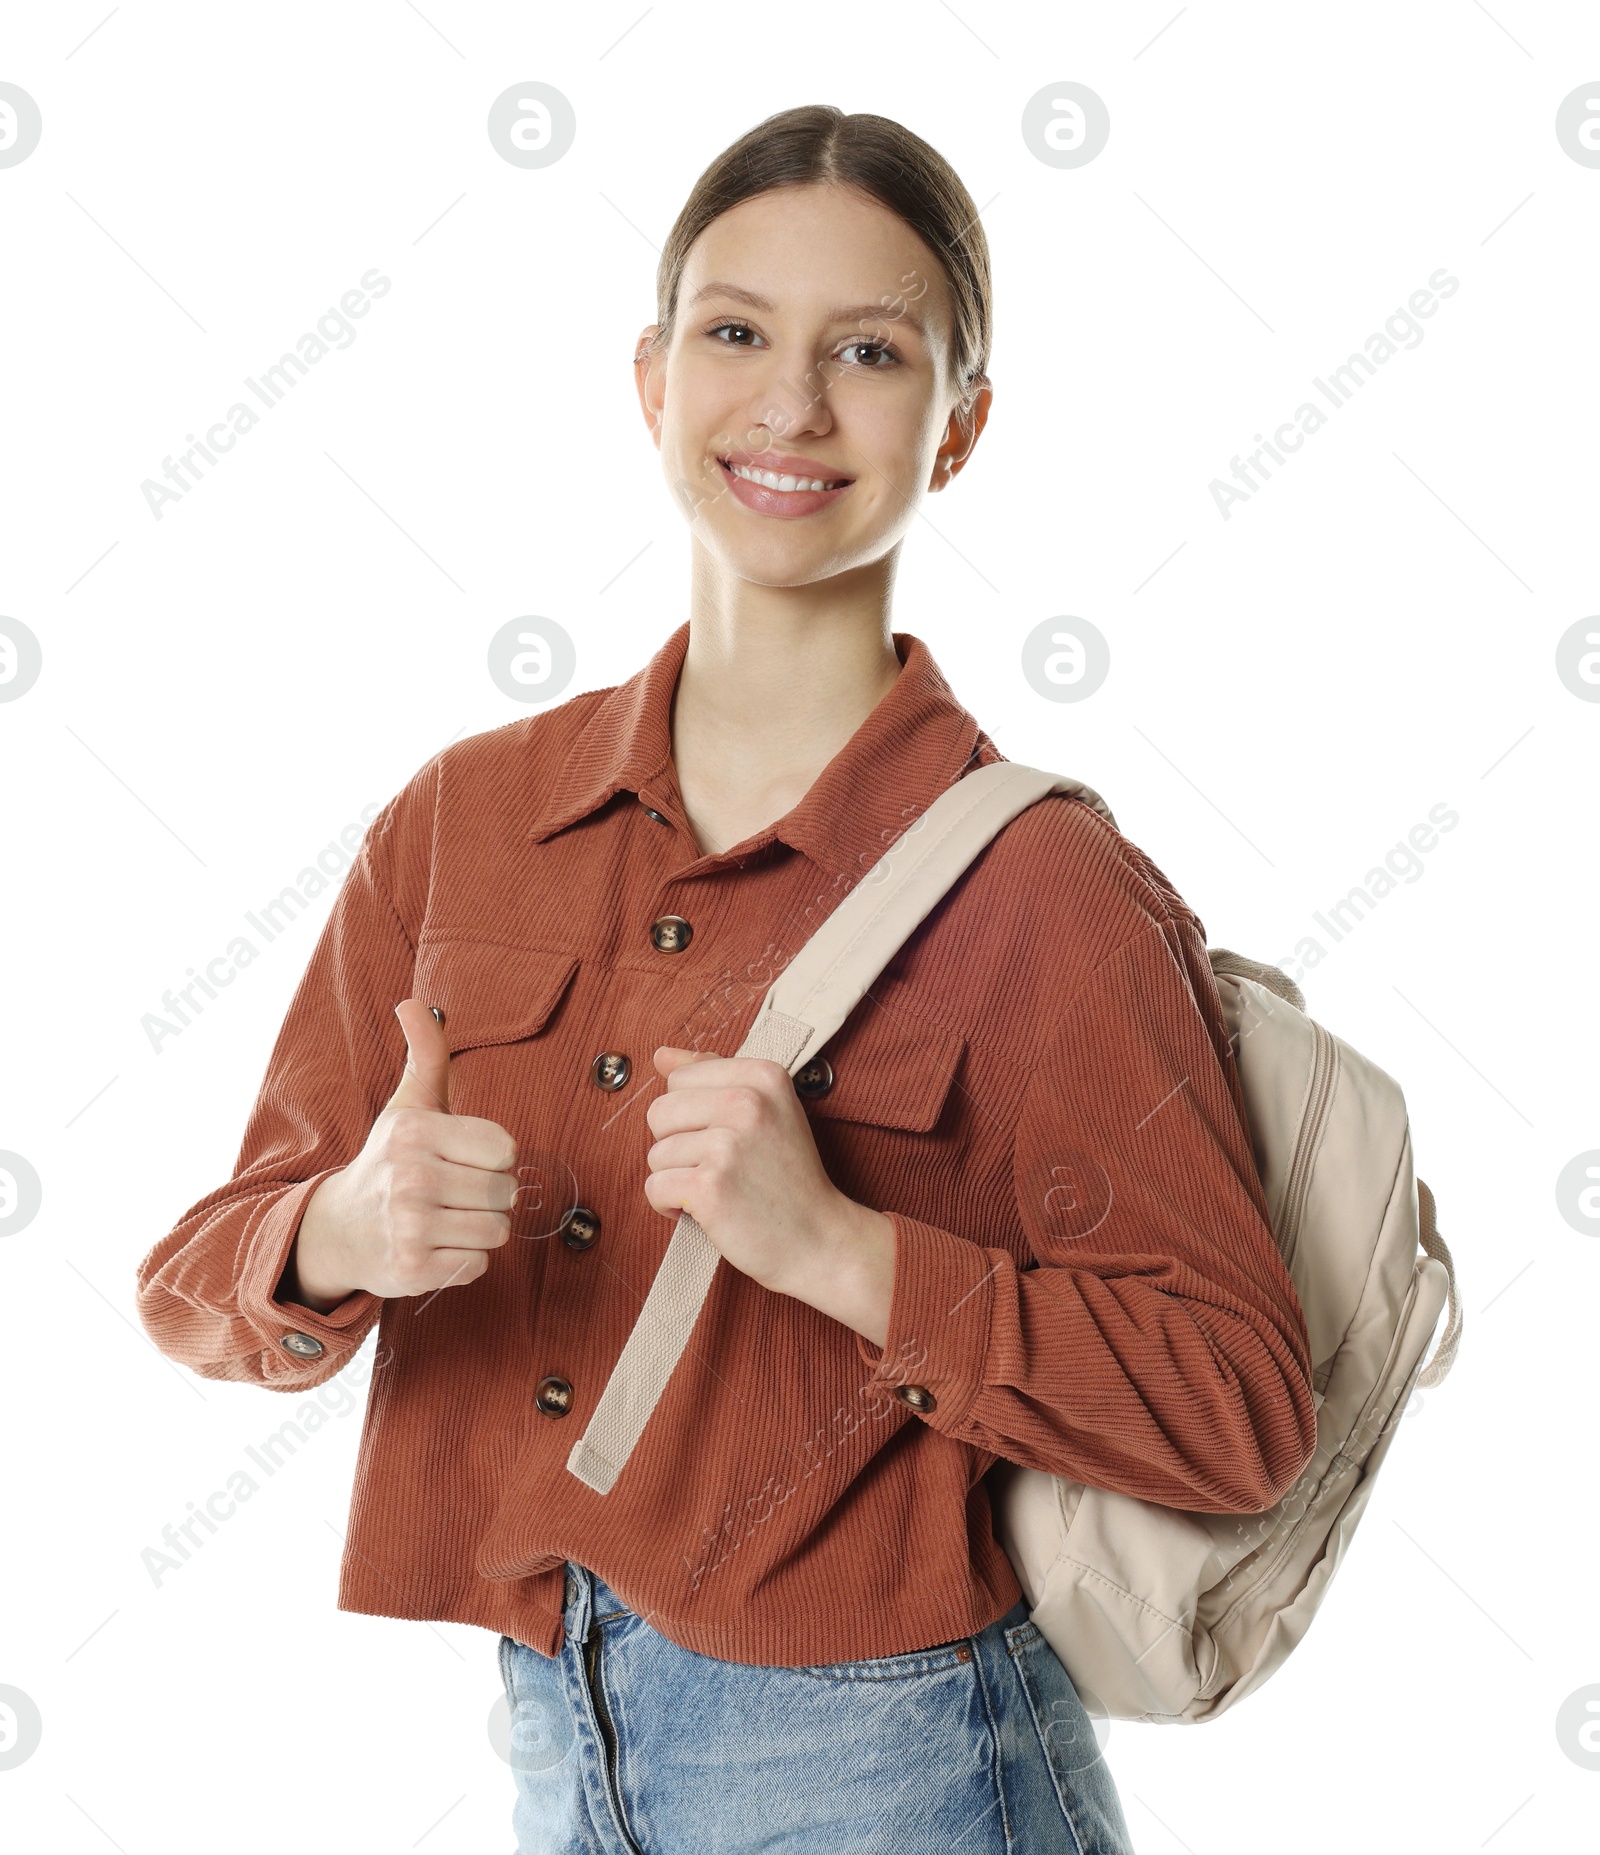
[[961, 434], [649, 378]]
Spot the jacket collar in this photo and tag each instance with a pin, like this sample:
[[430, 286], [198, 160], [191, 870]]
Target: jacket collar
[[918, 740]]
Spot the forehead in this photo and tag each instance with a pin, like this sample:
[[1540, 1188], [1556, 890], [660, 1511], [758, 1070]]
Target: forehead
[[819, 247]]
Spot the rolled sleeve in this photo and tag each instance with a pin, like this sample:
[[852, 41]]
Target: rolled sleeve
[[941, 1312], [206, 1293], [339, 1332]]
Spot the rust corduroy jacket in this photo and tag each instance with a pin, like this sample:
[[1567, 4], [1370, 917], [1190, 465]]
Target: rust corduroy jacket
[[1039, 1092]]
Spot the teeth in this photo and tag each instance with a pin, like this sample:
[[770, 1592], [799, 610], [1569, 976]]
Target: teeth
[[769, 479]]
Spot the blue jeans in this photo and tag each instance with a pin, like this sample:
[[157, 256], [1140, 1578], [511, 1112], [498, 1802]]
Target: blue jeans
[[628, 1743]]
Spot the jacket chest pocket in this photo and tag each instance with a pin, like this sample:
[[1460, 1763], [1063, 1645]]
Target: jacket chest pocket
[[888, 1068], [500, 1003], [490, 994]]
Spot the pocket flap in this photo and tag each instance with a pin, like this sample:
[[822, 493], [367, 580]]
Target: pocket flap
[[490, 993], [889, 1068]]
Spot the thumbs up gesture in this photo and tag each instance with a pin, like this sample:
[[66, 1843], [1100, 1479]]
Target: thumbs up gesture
[[423, 1202]]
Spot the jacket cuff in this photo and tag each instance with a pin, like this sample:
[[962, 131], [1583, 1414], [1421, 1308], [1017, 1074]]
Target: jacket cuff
[[939, 1322], [317, 1337]]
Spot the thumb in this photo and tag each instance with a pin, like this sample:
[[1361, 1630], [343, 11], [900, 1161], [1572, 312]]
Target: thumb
[[676, 1056], [426, 1081]]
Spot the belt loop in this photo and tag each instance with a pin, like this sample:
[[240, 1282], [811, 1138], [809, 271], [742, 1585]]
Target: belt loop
[[579, 1593]]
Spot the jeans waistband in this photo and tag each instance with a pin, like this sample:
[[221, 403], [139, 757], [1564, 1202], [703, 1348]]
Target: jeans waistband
[[587, 1597]]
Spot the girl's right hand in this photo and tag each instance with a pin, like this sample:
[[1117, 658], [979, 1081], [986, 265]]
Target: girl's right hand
[[422, 1203]]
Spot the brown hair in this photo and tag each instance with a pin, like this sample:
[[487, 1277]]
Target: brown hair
[[816, 142]]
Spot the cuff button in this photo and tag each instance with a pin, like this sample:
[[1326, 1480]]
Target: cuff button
[[917, 1396], [302, 1343]]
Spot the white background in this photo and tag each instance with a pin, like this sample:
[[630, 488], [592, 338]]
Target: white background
[[1291, 690]]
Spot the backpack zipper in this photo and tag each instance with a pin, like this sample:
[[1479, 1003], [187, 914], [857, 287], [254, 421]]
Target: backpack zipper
[[1297, 1185], [1337, 1463]]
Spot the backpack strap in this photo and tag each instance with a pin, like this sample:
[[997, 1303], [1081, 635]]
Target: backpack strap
[[1274, 978], [802, 1009], [1445, 1352]]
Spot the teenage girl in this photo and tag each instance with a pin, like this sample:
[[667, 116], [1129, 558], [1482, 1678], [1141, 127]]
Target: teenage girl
[[1008, 1213]]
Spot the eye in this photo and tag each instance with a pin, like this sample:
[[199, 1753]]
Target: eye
[[722, 327], [880, 350]]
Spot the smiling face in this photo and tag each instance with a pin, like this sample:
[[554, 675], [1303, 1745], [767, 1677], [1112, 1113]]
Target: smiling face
[[811, 344]]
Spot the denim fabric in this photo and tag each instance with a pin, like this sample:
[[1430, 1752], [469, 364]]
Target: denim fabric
[[973, 1747]]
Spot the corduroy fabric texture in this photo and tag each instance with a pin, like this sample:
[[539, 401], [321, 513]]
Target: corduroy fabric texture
[[1038, 1091]]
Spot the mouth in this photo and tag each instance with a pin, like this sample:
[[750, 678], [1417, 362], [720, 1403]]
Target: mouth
[[781, 492]]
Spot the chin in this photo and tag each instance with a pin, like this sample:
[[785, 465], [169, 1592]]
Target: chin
[[781, 566]]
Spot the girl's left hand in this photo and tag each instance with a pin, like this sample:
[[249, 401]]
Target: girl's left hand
[[734, 1149]]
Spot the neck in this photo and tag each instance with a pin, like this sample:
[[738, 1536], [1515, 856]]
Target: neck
[[774, 683]]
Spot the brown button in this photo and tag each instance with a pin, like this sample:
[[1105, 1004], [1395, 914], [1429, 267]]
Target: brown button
[[305, 1344], [611, 1069], [917, 1396], [814, 1078], [553, 1397], [670, 933], [964, 1653], [580, 1228]]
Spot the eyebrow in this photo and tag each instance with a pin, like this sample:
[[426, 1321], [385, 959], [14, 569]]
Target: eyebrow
[[844, 312]]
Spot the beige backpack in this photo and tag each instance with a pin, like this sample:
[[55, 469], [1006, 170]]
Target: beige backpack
[[1157, 1613]]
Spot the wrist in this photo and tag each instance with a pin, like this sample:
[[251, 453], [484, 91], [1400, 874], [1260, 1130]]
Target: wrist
[[851, 1278], [316, 1275]]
